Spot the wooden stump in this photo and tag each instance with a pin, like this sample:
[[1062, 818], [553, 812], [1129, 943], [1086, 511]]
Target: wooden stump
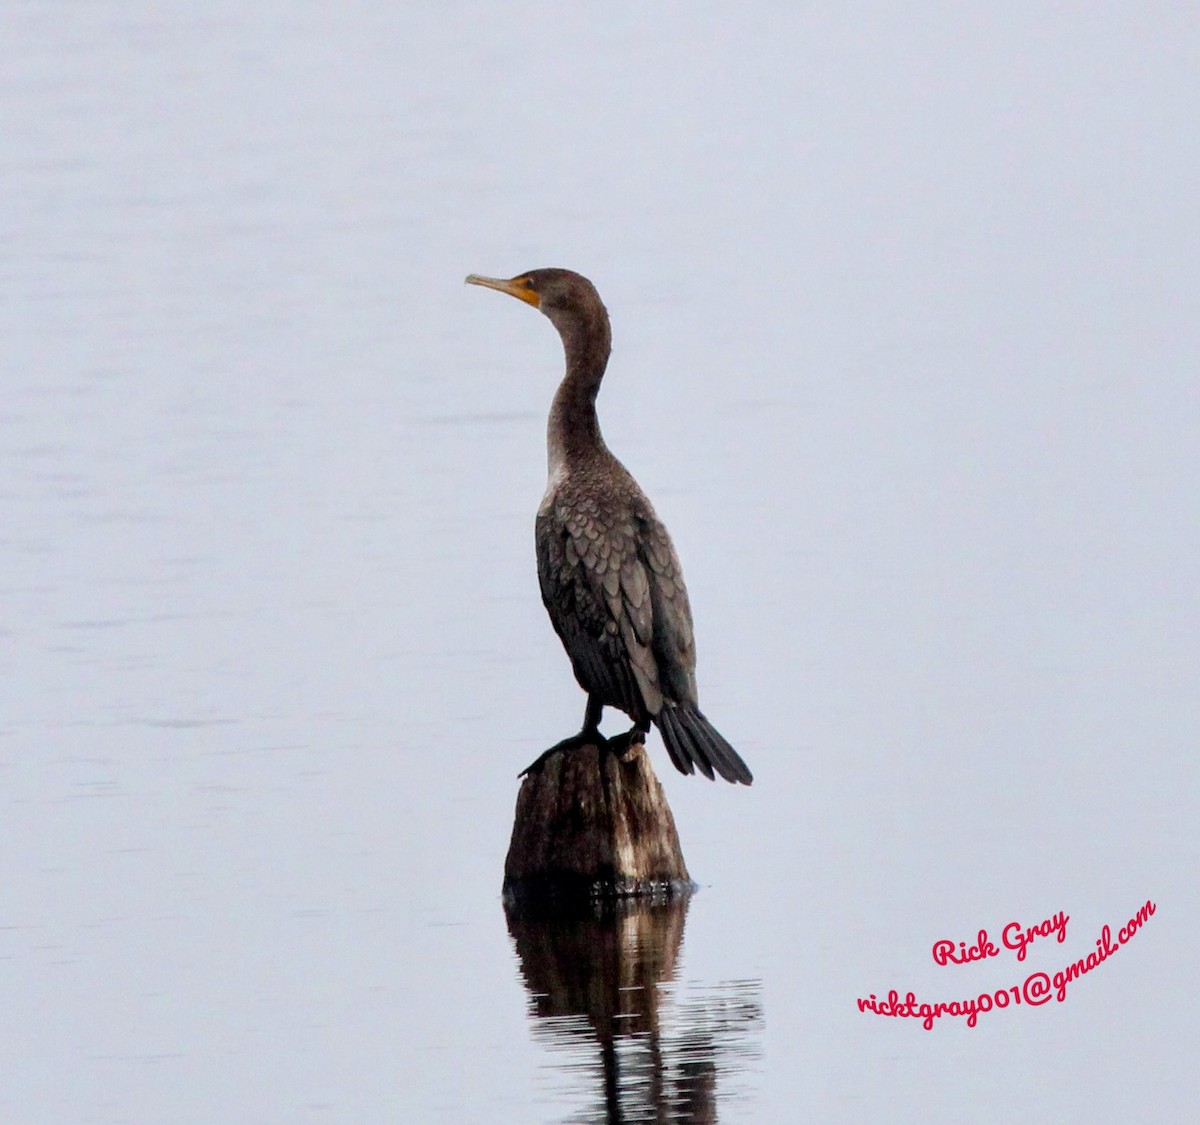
[[593, 825]]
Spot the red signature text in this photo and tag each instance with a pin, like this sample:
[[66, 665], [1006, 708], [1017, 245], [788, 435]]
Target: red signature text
[[1034, 990], [943, 951], [1014, 936]]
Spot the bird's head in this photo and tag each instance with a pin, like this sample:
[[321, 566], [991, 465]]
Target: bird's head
[[567, 298]]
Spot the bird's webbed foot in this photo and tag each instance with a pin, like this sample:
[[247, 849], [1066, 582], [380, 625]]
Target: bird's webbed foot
[[584, 738], [622, 745]]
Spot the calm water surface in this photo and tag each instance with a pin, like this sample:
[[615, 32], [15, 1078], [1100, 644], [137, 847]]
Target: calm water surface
[[906, 319]]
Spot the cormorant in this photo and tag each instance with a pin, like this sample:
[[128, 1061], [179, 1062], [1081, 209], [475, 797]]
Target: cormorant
[[609, 574]]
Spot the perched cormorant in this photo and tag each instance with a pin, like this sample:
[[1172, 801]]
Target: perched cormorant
[[609, 574]]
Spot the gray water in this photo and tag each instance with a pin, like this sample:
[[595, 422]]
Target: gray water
[[906, 311]]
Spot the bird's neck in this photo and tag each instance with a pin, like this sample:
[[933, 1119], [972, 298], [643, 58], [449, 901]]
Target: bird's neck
[[573, 431]]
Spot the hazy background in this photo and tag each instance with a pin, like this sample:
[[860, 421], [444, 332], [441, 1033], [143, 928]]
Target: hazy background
[[905, 303]]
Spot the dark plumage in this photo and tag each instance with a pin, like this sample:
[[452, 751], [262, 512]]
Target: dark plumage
[[609, 574]]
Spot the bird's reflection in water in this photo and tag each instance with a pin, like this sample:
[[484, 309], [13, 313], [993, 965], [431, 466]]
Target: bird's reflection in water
[[601, 982]]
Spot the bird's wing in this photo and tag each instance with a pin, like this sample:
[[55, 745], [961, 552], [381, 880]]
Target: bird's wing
[[597, 590], [673, 643]]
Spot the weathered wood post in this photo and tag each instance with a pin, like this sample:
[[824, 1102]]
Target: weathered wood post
[[593, 824]]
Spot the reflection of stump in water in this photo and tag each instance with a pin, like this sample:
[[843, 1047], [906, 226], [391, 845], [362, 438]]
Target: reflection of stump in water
[[595, 977], [592, 824], [603, 964]]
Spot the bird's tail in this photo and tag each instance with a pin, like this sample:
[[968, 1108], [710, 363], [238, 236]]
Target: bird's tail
[[692, 741]]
